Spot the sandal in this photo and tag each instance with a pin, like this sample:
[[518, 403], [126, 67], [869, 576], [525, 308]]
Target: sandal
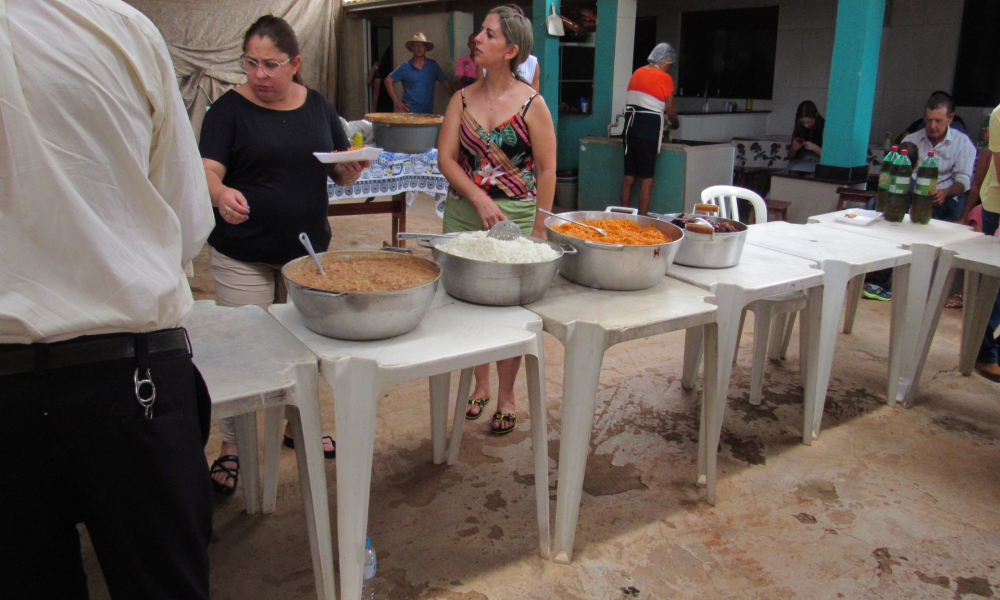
[[955, 301], [232, 473], [481, 403], [503, 418], [288, 442]]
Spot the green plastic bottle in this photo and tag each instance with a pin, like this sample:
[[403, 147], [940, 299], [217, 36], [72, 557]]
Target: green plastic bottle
[[883, 178], [925, 190], [899, 188]]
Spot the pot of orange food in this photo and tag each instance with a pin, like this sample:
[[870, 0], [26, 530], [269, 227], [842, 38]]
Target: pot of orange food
[[364, 295], [633, 256]]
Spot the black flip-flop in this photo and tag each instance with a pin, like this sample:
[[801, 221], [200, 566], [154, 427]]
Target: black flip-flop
[[231, 473], [288, 442]]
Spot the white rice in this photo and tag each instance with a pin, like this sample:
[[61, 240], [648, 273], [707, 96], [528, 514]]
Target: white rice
[[477, 246]]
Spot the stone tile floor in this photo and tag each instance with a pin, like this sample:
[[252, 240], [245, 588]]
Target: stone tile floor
[[888, 503]]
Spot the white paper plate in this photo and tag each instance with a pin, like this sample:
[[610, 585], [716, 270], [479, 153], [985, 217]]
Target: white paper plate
[[861, 217], [366, 153]]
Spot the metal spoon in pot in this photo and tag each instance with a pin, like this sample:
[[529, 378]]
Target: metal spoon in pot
[[504, 230], [552, 214], [304, 238]]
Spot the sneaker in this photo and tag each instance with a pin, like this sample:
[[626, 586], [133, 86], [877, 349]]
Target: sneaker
[[875, 292], [990, 371]]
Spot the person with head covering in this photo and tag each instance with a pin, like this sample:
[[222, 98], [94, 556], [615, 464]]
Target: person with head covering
[[418, 76], [650, 96], [257, 147], [497, 148]]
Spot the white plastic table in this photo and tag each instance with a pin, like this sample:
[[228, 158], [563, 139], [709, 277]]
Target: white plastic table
[[251, 363], [588, 322], [761, 273], [925, 242], [980, 258], [454, 335], [842, 256]]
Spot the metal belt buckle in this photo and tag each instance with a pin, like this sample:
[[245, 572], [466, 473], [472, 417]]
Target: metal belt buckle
[[146, 403]]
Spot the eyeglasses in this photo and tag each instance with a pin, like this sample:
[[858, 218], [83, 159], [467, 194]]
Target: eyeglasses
[[250, 65]]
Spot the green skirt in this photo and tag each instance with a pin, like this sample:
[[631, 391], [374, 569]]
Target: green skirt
[[461, 215]]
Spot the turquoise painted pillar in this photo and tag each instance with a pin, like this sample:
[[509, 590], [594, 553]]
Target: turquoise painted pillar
[[547, 51], [852, 84]]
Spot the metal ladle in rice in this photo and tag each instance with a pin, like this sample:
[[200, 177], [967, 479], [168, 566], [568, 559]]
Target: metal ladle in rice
[[478, 245]]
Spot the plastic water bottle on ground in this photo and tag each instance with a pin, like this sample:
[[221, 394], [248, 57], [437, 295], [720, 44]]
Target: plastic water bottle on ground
[[368, 588]]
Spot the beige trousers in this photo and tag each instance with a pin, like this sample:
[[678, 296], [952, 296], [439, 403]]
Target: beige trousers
[[239, 284]]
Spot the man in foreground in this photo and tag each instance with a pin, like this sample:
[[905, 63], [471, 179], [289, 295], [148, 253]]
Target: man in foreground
[[986, 363], [102, 201]]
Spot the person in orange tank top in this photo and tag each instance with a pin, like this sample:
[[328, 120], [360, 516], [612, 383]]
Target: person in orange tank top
[[650, 95]]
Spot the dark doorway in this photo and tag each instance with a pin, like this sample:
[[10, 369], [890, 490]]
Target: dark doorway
[[379, 50], [645, 41]]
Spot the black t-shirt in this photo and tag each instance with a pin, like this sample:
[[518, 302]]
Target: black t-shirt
[[268, 157]]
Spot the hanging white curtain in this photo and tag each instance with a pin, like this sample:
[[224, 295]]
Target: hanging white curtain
[[206, 39]]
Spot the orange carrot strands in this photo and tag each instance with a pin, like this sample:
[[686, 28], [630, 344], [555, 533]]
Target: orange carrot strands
[[620, 231]]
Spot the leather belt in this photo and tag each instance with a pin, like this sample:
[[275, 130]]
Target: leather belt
[[89, 349]]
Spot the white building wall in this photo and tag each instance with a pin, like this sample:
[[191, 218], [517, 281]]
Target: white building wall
[[919, 48]]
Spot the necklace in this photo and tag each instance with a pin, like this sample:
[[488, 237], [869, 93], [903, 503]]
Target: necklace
[[497, 101]]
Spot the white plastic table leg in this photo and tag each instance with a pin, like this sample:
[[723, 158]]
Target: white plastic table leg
[[809, 357], [307, 432], [439, 392], [906, 308], [776, 335], [762, 315], [786, 337], [693, 339], [585, 345], [853, 296], [983, 293], [943, 279], [246, 441], [720, 345], [739, 333], [971, 287], [539, 446], [356, 392], [273, 418], [458, 421]]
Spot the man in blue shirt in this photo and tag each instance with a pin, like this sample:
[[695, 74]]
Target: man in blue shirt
[[417, 76]]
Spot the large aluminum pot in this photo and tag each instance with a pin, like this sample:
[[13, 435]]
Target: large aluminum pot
[[495, 284], [712, 251], [361, 315], [616, 266], [408, 133]]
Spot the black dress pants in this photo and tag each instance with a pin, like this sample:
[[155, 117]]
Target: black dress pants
[[77, 448]]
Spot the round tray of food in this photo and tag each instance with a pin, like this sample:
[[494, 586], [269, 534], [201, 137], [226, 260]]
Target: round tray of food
[[495, 272], [709, 242], [633, 255], [365, 295]]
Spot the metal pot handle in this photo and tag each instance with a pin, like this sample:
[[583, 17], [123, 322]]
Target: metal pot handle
[[603, 245], [567, 249], [424, 242], [622, 209], [395, 250], [323, 293]]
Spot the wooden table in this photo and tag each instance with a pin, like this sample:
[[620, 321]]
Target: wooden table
[[396, 207]]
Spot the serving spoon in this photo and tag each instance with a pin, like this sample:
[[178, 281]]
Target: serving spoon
[[304, 238], [552, 214]]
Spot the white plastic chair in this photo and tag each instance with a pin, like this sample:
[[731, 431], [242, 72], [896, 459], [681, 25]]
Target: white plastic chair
[[782, 306]]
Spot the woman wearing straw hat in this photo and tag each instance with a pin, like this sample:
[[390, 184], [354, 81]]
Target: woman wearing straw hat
[[417, 76]]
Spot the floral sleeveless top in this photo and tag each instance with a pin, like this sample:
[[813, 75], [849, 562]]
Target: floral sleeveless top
[[499, 161]]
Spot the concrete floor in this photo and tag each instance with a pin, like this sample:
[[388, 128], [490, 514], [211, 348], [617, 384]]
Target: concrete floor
[[888, 503]]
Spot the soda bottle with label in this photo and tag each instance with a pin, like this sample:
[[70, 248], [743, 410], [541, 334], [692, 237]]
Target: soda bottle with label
[[883, 178], [925, 190], [899, 188]]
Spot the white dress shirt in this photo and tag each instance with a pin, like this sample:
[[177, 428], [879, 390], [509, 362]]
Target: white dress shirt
[[103, 197], [956, 157]]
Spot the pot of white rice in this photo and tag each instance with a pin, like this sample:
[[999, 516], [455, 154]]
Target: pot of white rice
[[495, 272]]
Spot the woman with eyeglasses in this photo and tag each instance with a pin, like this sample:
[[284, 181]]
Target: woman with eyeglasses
[[257, 143]]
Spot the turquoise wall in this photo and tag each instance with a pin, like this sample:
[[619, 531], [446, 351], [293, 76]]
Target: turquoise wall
[[546, 50], [601, 173], [573, 127]]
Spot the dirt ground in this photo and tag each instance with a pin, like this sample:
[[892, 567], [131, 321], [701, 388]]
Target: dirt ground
[[887, 503]]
